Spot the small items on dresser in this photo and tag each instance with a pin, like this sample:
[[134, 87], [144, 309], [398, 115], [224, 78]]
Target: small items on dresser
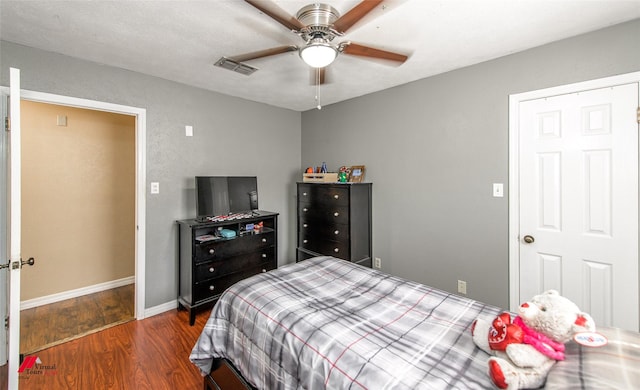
[[352, 174]]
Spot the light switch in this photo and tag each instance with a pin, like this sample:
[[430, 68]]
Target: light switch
[[188, 131], [155, 187], [498, 190], [61, 120]]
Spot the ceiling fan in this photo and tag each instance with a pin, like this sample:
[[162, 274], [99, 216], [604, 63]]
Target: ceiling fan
[[318, 25]]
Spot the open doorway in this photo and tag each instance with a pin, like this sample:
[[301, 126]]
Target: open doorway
[[140, 177], [78, 220], [140, 185]]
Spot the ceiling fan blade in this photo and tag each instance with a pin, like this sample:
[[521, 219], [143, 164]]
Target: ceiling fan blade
[[354, 15], [366, 51], [277, 13], [264, 53]]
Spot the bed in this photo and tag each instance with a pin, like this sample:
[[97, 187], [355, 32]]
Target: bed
[[328, 323]]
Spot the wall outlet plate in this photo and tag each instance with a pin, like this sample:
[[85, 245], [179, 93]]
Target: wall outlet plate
[[462, 287], [498, 190]]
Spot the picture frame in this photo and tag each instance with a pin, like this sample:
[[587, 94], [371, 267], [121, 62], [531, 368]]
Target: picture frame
[[356, 173]]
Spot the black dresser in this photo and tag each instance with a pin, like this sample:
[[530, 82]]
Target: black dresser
[[209, 262], [334, 219]]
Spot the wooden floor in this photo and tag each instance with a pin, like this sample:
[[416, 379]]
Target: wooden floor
[[147, 354], [48, 325]]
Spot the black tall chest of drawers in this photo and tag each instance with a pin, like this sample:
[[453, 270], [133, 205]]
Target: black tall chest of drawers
[[334, 219]]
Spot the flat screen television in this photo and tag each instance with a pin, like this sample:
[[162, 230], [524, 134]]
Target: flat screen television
[[223, 195]]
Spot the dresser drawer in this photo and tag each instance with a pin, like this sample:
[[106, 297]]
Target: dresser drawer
[[218, 249], [216, 269], [313, 212], [339, 249], [214, 287], [324, 194], [322, 230]]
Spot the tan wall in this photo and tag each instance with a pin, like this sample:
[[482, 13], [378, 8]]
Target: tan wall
[[78, 198]]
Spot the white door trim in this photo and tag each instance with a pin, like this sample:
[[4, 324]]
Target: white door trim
[[4, 274], [514, 167], [141, 130], [14, 229]]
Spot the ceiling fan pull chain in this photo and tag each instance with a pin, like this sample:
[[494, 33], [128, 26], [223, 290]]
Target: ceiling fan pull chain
[[319, 106]]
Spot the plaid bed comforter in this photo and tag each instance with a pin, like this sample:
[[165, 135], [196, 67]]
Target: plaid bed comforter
[[613, 366], [327, 323]]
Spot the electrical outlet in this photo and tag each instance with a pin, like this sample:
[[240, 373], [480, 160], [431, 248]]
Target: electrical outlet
[[462, 287], [377, 263], [498, 190]]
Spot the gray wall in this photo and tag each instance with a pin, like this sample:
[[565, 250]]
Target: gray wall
[[434, 147], [231, 137]]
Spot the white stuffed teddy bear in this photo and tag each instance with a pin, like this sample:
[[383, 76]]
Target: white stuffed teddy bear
[[525, 350]]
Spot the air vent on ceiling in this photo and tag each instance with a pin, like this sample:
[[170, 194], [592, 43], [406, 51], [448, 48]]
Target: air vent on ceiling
[[239, 67]]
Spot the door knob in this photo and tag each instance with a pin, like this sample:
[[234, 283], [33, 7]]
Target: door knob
[[528, 239], [22, 263]]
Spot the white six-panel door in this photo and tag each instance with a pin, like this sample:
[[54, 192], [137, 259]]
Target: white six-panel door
[[578, 206]]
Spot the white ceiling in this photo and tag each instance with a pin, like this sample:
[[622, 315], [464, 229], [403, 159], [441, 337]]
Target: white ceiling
[[180, 40]]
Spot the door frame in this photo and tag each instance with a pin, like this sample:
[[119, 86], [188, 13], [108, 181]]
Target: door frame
[[140, 115], [4, 273], [514, 165]]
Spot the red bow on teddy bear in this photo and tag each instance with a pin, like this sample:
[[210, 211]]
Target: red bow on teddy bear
[[503, 332]]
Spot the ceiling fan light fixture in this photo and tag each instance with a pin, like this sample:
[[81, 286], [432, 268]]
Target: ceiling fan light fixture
[[318, 54]]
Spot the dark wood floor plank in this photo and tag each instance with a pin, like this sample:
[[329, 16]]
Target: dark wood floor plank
[[149, 354]]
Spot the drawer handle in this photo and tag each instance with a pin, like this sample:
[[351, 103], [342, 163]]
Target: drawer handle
[[264, 255], [211, 251], [336, 214], [264, 240], [211, 269], [305, 209], [264, 270], [336, 250], [305, 225], [212, 287], [336, 232], [305, 241], [304, 194], [336, 196]]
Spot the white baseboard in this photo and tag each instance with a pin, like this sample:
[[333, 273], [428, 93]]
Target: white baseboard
[[162, 308], [35, 302]]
